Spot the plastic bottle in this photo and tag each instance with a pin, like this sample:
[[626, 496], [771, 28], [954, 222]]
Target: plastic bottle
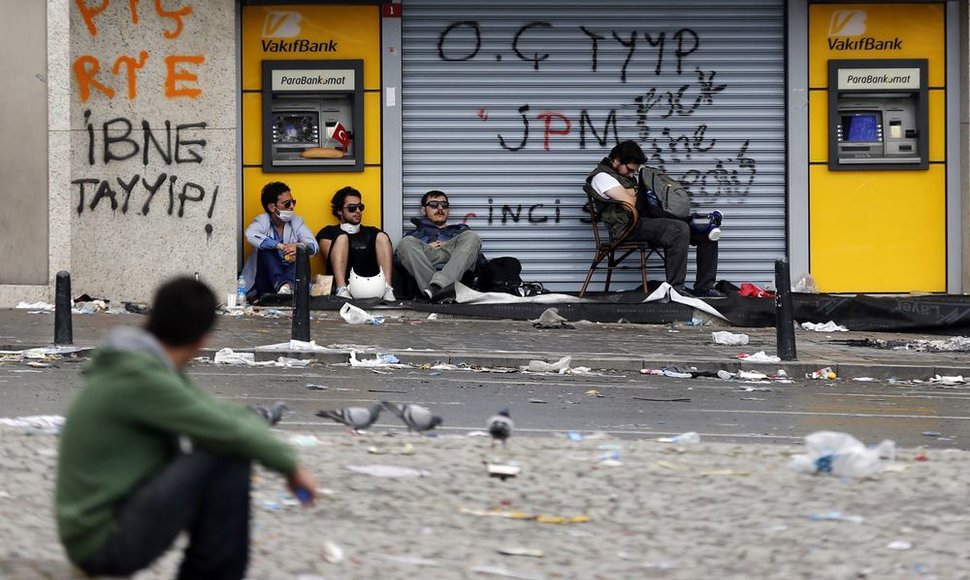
[[686, 438], [241, 291]]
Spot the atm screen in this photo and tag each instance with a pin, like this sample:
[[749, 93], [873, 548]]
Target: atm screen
[[296, 128], [860, 127]]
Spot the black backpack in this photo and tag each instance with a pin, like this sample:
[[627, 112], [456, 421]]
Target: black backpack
[[505, 275]]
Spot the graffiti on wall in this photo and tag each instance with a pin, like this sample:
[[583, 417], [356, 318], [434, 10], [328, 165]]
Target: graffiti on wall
[[650, 112], [160, 145]]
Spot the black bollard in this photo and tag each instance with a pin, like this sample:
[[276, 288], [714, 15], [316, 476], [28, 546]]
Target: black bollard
[[784, 319], [63, 328], [301, 297]]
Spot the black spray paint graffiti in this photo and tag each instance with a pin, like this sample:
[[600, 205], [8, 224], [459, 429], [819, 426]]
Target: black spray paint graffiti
[[117, 140], [665, 145]]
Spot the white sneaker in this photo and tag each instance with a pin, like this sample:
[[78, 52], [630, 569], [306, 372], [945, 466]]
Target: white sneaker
[[344, 292], [285, 289], [389, 294]]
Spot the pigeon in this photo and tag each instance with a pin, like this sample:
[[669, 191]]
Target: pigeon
[[416, 417], [356, 418], [272, 414], [500, 427]]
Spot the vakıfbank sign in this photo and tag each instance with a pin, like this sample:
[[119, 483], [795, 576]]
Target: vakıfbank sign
[[847, 31], [840, 31]]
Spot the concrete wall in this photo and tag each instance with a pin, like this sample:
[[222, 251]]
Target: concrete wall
[[23, 141], [153, 151]]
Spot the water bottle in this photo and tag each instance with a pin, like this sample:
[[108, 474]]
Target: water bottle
[[241, 291]]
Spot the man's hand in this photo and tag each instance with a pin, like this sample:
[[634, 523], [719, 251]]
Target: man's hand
[[436, 244], [289, 249], [303, 486]]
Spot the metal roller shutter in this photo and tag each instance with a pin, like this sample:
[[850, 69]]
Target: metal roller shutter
[[507, 105]]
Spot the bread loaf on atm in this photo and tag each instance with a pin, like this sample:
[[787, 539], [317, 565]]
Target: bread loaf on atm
[[322, 153]]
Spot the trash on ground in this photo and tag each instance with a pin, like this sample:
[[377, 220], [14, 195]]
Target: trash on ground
[[544, 519], [864, 379], [932, 434], [389, 471], [729, 338], [759, 356], [304, 440], [43, 423], [672, 372], [835, 517], [332, 553], [316, 387], [468, 367], [748, 290], [502, 472], [36, 306], [538, 366], [519, 551], [947, 380], [539, 401], [574, 436], [295, 345], [593, 393], [408, 559], [675, 400], [751, 375], [550, 318], [842, 455], [379, 360], [829, 326], [725, 375], [899, 545], [824, 373], [297, 363], [805, 284], [688, 438], [226, 356], [354, 315], [506, 573]]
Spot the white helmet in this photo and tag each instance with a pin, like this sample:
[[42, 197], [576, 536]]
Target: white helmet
[[362, 287]]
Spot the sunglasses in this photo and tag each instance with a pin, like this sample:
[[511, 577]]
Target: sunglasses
[[354, 207], [287, 203], [437, 204]]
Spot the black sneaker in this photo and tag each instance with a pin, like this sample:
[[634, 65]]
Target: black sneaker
[[709, 293], [441, 294]]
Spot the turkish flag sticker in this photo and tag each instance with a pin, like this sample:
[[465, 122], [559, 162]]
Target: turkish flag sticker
[[340, 136]]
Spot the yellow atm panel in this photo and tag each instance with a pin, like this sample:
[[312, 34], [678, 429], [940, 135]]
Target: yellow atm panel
[[877, 175]]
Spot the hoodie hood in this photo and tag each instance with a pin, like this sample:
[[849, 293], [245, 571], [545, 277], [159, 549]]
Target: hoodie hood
[[134, 339]]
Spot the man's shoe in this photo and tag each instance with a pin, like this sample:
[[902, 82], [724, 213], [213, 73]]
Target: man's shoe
[[685, 292], [286, 288], [344, 292], [389, 295], [441, 294], [709, 293]]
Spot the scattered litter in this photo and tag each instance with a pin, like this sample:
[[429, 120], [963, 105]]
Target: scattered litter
[[921, 457], [332, 553], [824, 373], [729, 338], [574, 436], [304, 440], [315, 387], [864, 379], [671, 372], [226, 356], [593, 393], [752, 389], [538, 366], [43, 423], [932, 434], [35, 307], [506, 573], [389, 471], [899, 545], [538, 401], [295, 345], [503, 472], [517, 551], [397, 391], [947, 381], [805, 284], [272, 313], [842, 455], [835, 517], [751, 375], [408, 559], [725, 375], [550, 318], [748, 290], [379, 360], [759, 356], [688, 438], [829, 326], [89, 307], [581, 519], [677, 400], [354, 315], [298, 363]]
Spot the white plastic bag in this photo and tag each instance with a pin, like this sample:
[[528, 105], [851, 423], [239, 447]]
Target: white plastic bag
[[805, 284], [354, 315], [729, 338], [842, 455]]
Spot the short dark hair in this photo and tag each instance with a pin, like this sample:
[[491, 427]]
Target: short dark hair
[[272, 192], [628, 152], [183, 311], [433, 193], [338, 199]]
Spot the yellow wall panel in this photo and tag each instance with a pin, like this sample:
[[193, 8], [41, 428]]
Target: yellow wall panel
[[919, 28], [313, 192], [354, 32], [937, 121], [252, 122], [818, 126], [878, 231], [372, 128]]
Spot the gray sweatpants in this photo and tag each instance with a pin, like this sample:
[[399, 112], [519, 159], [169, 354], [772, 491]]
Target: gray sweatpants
[[454, 257]]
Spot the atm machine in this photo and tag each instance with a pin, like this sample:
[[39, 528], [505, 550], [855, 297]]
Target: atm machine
[[878, 114], [313, 115]]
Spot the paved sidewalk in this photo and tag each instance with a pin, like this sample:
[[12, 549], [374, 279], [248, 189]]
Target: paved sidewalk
[[414, 338]]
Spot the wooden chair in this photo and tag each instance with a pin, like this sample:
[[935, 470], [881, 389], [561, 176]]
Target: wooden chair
[[615, 249]]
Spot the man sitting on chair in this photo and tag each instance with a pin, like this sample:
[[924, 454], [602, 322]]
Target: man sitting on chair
[[617, 178]]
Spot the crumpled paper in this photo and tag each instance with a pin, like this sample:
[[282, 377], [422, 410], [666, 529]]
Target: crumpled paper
[[829, 326]]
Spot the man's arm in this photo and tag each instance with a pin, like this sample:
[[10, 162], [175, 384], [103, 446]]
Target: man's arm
[[257, 236], [609, 188], [305, 237]]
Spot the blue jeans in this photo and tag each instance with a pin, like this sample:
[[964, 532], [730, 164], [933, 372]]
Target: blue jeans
[[204, 494], [272, 271]]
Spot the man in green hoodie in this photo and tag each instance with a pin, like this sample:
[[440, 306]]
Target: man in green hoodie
[[145, 454]]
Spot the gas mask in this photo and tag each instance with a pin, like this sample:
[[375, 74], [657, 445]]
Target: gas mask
[[285, 215]]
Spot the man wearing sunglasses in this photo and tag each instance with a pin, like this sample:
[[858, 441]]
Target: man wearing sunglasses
[[438, 254], [350, 246], [275, 235]]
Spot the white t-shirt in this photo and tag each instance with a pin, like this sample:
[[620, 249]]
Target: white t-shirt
[[603, 182]]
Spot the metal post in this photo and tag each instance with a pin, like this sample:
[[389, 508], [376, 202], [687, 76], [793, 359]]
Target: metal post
[[63, 328], [301, 297], [784, 314]]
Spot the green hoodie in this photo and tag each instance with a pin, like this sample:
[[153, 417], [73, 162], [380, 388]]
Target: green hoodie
[[123, 426]]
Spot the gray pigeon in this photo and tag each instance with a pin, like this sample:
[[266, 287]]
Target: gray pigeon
[[272, 414], [416, 417], [500, 427], [356, 418]]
